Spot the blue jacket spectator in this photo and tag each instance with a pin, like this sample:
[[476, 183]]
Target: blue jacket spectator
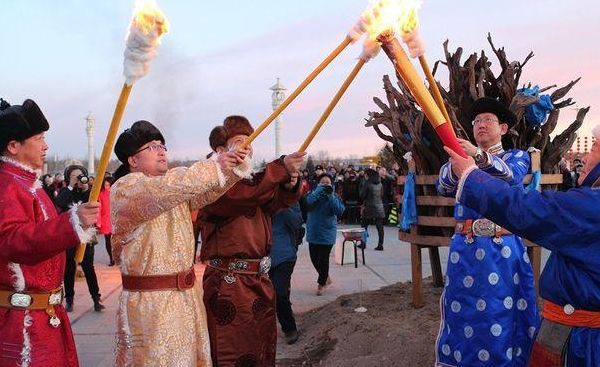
[[324, 208], [287, 225], [323, 211]]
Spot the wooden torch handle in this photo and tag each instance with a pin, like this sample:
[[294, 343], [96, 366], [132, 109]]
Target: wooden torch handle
[[332, 105], [105, 158], [297, 91]]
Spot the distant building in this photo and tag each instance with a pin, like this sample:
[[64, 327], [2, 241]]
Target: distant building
[[580, 147]]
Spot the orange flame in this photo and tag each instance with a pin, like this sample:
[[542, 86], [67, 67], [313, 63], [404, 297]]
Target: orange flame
[[148, 17], [398, 16]]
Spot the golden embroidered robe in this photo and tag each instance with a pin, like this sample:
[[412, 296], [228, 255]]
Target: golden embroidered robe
[[152, 235]]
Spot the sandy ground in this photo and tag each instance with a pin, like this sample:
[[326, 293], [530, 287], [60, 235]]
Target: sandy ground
[[390, 333]]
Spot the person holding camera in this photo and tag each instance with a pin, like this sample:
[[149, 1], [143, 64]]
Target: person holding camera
[[78, 191], [324, 208]]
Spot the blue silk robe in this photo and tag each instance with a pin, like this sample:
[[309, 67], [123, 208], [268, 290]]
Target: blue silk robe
[[489, 313], [566, 223]]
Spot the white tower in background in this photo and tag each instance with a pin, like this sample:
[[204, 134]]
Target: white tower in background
[[90, 129], [277, 97]]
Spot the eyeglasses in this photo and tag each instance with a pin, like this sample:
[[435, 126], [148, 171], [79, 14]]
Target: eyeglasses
[[155, 148], [484, 121]]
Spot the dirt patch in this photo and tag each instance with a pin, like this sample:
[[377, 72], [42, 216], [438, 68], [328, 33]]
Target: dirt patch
[[390, 333]]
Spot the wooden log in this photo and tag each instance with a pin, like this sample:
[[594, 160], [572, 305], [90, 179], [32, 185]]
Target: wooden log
[[436, 267], [417, 275], [435, 201], [423, 220], [413, 238], [546, 179]]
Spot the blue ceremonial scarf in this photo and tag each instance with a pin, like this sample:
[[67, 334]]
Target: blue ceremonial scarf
[[536, 179], [592, 177], [409, 203]]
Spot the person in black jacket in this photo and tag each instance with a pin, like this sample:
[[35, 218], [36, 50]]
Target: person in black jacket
[[372, 209], [78, 191], [351, 196]]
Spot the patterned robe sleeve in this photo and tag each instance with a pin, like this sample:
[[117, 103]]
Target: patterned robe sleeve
[[511, 166], [284, 198], [447, 182], [208, 197], [137, 198], [551, 219], [26, 242], [267, 193]]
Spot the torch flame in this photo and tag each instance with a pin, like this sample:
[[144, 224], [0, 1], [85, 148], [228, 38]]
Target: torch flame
[[397, 16], [146, 28], [148, 17]]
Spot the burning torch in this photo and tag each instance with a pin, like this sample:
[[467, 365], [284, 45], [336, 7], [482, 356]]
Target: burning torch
[[145, 31], [399, 16]]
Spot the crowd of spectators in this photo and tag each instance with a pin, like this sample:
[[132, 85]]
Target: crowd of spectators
[[349, 184]]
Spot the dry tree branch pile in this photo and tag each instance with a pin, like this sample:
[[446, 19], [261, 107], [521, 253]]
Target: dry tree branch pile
[[408, 131]]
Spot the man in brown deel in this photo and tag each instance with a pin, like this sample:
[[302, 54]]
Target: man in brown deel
[[236, 241]]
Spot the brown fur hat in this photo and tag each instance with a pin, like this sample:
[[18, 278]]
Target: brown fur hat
[[232, 126]]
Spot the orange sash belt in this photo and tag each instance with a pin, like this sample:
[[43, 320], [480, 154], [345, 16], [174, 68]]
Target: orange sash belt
[[567, 315]]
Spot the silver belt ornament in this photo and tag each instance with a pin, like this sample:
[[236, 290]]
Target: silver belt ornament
[[241, 265], [485, 228], [24, 300]]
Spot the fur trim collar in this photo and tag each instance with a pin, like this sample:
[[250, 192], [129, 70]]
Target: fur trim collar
[[36, 184]]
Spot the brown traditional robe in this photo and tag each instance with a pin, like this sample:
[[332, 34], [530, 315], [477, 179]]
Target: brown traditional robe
[[241, 315]]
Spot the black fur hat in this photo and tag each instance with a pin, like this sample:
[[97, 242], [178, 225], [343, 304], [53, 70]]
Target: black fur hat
[[494, 106], [131, 140], [20, 122]]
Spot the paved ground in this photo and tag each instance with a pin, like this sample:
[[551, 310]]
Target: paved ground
[[94, 331]]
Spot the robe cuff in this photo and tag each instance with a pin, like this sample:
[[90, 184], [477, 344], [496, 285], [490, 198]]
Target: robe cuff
[[462, 180], [244, 170], [220, 175], [85, 235]]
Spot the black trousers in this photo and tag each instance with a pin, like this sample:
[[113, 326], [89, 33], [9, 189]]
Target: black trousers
[[88, 269], [108, 245], [319, 256], [281, 276], [378, 223], [352, 212]]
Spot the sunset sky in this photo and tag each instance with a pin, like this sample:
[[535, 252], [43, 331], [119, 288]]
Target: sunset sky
[[221, 57]]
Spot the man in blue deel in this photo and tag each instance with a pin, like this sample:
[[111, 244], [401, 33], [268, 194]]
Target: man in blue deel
[[568, 224], [488, 311]]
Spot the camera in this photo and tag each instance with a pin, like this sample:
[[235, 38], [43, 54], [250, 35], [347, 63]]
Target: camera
[[328, 189], [83, 179]]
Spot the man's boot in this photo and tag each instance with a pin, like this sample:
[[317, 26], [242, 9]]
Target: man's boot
[[69, 304], [98, 307]]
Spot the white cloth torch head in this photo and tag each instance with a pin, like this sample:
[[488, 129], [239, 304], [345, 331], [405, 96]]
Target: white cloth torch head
[[145, 31]]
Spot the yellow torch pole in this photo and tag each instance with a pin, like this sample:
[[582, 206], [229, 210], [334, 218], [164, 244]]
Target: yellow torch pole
[[297, 91], [407, 72], [332, 105], [106, 152], [434, 87]]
